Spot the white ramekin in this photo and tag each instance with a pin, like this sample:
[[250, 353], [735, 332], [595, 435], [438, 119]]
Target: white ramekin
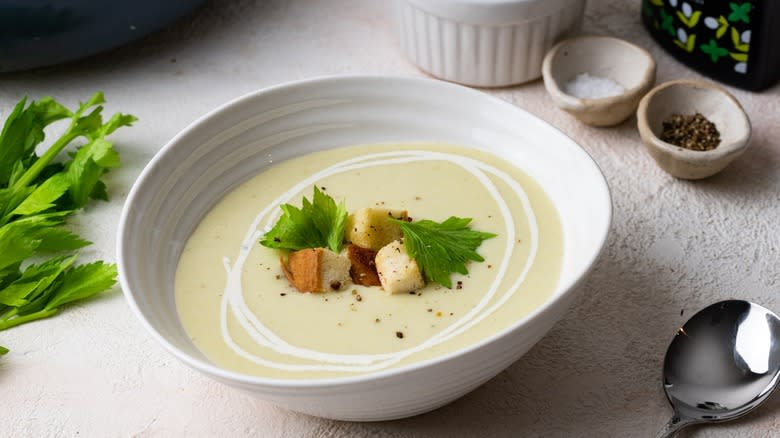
[[484, 43]]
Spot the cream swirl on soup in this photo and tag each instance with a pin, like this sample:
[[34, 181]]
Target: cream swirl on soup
[[256, 323]]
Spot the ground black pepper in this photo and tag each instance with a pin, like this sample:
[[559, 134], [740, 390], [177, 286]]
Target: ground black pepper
[[694, 132]]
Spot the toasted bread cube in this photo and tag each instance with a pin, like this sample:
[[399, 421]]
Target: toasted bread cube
[[369, 227], [316, 270], [363, 270], [398, 272]]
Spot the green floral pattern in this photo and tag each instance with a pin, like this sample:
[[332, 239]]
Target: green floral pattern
[[715, 51], [667, 23], [739, 12], [683, 22]]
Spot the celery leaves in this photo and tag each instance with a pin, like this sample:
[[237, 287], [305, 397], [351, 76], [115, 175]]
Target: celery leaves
[[37, 195], [442, 248], [319, 223]]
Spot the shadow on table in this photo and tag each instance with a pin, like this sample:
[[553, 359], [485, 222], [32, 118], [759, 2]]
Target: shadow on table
[[752, 175]]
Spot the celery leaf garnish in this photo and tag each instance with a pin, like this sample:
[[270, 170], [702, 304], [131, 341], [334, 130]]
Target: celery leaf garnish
[[442, 248], [319, 223]]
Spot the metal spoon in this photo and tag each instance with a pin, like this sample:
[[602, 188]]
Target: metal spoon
[[723, 363]]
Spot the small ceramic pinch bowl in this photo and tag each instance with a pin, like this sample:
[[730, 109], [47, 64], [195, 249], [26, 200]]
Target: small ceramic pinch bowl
[[242, 138], [688, 97], [630, 66]]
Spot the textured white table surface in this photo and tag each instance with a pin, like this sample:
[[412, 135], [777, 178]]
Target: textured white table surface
[[675, 247]]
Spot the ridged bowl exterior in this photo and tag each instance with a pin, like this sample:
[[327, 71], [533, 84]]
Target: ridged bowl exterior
[[484, 54], [198, 167]]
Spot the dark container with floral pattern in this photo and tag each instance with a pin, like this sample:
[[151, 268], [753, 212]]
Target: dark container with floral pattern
[[733, 41]]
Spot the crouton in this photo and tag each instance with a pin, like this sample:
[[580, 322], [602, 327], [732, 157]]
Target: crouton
[[316, 270], [369, 227], [363, 270], [398, 273]]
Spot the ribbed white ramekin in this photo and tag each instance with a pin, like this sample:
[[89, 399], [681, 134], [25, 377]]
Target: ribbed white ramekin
[[484, 43]]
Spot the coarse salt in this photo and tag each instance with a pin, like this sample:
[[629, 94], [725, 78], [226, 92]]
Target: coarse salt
[[587, 86]]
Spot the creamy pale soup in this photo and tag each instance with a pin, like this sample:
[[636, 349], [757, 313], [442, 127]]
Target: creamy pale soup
[[240, 311]]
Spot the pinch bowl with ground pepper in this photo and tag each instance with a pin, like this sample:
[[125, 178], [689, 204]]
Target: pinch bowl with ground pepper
[[692, 129]]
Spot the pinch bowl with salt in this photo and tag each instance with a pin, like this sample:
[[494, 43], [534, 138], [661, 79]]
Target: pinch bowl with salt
[[598, 79], [685, 100]]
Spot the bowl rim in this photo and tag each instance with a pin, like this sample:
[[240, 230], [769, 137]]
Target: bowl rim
[[491, 13], [235, 377], [574, 103], [722, 150]]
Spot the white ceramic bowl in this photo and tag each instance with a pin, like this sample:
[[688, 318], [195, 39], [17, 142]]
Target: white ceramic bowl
[[484, 43], [240, 139]]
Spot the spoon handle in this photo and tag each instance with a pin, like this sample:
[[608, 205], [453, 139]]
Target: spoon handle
[[673, 426]]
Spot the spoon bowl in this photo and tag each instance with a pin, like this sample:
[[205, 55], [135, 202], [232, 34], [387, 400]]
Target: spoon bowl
[[723, 363]]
